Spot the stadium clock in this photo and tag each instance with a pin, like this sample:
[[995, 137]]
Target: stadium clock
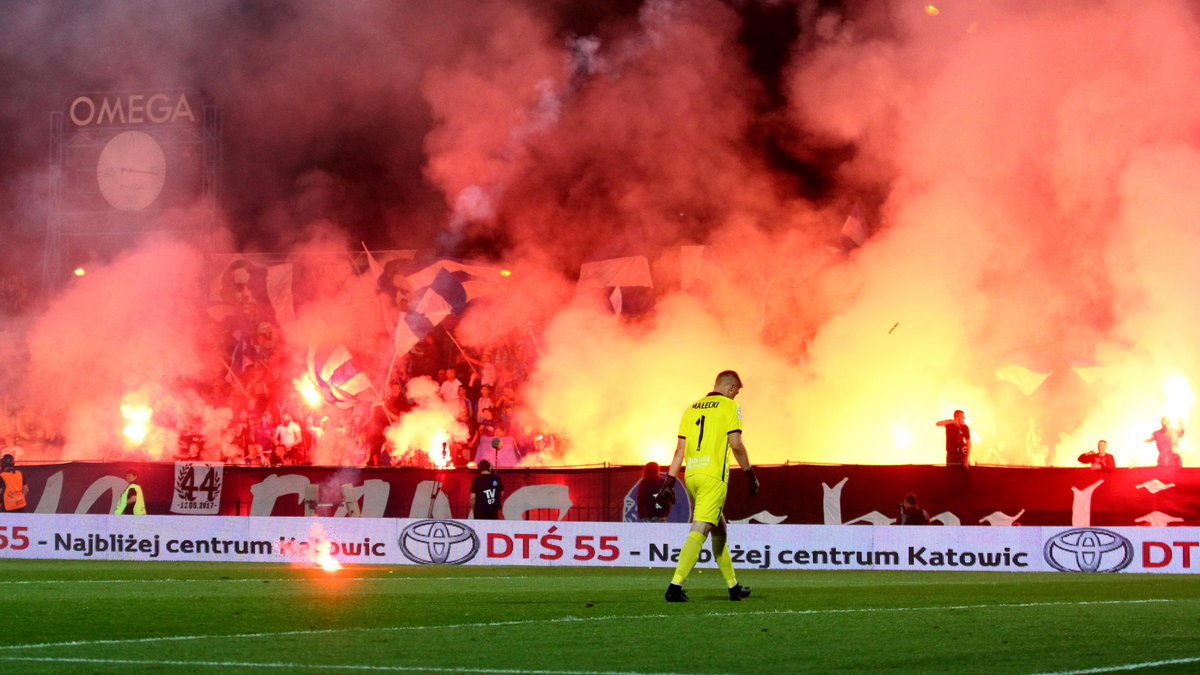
[[131, 170]]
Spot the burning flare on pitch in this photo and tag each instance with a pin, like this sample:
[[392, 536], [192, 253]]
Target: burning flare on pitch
[[320, 554]]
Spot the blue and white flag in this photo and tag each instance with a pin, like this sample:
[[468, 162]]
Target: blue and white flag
[[340, 379], [441, 289]]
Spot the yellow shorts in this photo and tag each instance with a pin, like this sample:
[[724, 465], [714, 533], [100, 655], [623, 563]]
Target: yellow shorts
[[708, 497]]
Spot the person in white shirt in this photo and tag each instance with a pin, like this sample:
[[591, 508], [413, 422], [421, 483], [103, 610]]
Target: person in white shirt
[[288, 434], [11, 448], [450, 386]]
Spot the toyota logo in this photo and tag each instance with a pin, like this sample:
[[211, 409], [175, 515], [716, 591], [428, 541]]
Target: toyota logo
[[1088, 549], [438, 542]]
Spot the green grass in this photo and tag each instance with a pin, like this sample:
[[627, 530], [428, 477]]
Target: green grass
[[198, 617]]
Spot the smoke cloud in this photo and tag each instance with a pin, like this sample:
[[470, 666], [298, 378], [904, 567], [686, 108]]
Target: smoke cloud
[[1025, 171]]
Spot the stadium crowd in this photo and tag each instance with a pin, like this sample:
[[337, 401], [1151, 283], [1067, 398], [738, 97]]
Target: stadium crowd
[[273, 423], [251, 412]]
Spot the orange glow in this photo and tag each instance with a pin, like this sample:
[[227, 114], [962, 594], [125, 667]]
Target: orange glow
[[438, 442], [79, 271], [138, 421], [308, 390], [324, 560], [931, 10], [320, 553], [655, 451], [1180, 397], [506, 273], [425, 429]]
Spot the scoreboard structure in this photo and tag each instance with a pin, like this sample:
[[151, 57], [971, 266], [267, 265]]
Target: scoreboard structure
[[123, 164]]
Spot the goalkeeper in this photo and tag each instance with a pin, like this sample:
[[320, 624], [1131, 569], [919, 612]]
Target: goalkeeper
[[710, 429]]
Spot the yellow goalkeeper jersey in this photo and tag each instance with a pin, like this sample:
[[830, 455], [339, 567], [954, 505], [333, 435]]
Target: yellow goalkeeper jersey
[[706, 426]]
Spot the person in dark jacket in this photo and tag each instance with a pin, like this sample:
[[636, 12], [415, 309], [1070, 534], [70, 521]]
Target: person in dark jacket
[[1100, 459], [648, 508], [486, 491]]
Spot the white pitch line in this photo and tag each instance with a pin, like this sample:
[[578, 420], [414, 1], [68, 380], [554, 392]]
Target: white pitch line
[[320, 666], [1127, 666], [261, 579], [572, 619]]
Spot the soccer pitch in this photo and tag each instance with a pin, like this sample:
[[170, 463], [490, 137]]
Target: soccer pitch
[[199, 617]]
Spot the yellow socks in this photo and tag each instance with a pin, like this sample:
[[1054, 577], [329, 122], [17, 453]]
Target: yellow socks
[[688, 556], [724, 562]]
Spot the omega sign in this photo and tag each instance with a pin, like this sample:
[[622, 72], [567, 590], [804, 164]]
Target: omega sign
[[126, 109]]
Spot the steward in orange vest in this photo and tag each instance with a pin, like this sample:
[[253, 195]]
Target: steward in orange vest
[[15, 488]]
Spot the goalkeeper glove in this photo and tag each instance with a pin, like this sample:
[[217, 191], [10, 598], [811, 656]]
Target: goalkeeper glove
[[752, 482], [666, 496]]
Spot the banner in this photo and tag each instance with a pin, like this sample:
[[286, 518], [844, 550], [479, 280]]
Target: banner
[[434, 541], [198, 488], [790, 495]]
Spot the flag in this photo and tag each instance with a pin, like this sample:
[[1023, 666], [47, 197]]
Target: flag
[[339, 378], [696, 268], [244, 354], [279, 291], [447, 276], [1023, 378], [442, 288], [625, 283], [372, 264], [246, 279], [1091, 374], [383, 266], [629, 271], [854, 230], [615, 300]]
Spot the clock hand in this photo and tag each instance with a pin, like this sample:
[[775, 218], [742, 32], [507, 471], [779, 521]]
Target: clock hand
[[152, 173]]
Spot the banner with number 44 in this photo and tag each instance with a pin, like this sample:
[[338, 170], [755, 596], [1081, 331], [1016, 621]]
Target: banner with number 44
[[197, 488]]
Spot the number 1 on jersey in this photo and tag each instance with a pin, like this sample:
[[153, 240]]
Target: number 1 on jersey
[[700, 440]]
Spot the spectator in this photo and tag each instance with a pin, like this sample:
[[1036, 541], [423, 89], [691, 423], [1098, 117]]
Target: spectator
[[191, 441], [396, 403], [191, 453], [648, 509], [485, 400], [450, 386], [255, 456], [462, 406], [487, 425], [11, 448], [360, 451], [257, 387], [1099, 459], [911, 513], [264, 432], [326, 442], [1166, 439], [487, 371], [958, 439], [424, 358], [288, 435]]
